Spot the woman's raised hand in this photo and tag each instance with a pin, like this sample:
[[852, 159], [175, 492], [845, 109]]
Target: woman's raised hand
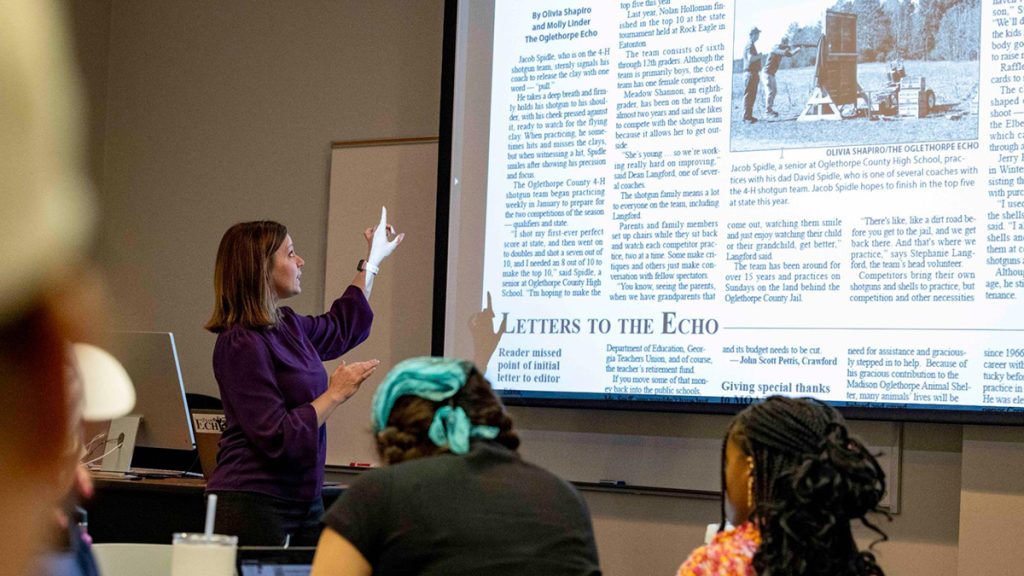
[[382, 240]]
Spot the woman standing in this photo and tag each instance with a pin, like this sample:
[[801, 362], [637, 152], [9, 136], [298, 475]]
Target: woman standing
[[277, 395]]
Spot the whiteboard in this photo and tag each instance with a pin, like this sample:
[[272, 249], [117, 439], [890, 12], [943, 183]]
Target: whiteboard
[[402, 175]]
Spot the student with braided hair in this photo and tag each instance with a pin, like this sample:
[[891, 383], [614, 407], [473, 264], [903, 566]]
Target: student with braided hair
[[455, 497], [793, 479]]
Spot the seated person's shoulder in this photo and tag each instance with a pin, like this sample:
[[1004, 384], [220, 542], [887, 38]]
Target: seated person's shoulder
[[729, 553]]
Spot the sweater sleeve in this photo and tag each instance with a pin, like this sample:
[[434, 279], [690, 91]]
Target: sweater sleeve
[[251, 393], [342, 328]]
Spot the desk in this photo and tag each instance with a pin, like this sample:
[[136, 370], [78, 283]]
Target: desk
[[150, 510]]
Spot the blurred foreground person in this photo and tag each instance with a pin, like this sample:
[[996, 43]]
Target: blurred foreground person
[[46, 218]]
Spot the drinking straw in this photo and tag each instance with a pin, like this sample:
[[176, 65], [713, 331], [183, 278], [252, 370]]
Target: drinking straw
[[211, 512]]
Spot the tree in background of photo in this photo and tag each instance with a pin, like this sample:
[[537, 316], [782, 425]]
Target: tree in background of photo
[[959, 34], [806, 37], [915, 29]]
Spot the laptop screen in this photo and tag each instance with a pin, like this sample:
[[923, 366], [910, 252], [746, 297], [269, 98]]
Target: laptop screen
[[275, 561]]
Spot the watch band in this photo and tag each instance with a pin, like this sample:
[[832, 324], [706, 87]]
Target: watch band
[[364, 266]]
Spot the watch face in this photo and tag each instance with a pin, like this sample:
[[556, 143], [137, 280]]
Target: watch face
[[361, 266]]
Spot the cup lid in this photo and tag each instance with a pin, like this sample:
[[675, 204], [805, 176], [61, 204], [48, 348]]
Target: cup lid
[[201, 538]]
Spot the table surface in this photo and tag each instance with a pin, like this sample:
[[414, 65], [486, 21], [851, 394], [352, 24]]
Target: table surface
[[151, 510]]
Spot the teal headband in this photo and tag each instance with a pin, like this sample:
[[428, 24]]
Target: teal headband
[[434, 379]]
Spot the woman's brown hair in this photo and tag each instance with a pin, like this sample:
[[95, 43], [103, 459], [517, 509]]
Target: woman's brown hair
[[405, 436], [243, 291]]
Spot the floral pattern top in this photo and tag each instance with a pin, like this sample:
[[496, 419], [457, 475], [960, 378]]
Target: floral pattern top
[[729, 554]]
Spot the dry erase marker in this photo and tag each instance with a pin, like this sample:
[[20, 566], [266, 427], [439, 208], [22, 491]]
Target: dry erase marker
[[612, 482], [359, 464]]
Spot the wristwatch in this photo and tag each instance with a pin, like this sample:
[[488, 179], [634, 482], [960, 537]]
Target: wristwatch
[[364, 266]]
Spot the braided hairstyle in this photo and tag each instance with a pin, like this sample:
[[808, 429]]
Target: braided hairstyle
[[405, 435], [810, 480]]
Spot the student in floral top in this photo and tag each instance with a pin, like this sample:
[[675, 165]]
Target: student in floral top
[[793, 480]]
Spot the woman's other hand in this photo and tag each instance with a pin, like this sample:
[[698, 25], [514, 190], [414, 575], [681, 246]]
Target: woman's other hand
[[347, 378], [344, 383]]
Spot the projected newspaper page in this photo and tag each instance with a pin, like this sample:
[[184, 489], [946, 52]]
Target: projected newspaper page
[[708, 201]]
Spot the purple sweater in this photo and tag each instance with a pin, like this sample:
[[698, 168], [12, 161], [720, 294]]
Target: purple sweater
[[267, 379]]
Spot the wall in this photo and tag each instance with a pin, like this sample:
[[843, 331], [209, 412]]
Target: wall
[[220, 112], [992, 501], [216, 112], [89, 25]]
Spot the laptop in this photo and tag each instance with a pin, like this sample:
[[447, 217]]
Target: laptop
[[275, 561]]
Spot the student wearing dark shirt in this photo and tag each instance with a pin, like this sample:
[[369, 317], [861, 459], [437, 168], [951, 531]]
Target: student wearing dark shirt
[[277, 396], [456, 498]]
